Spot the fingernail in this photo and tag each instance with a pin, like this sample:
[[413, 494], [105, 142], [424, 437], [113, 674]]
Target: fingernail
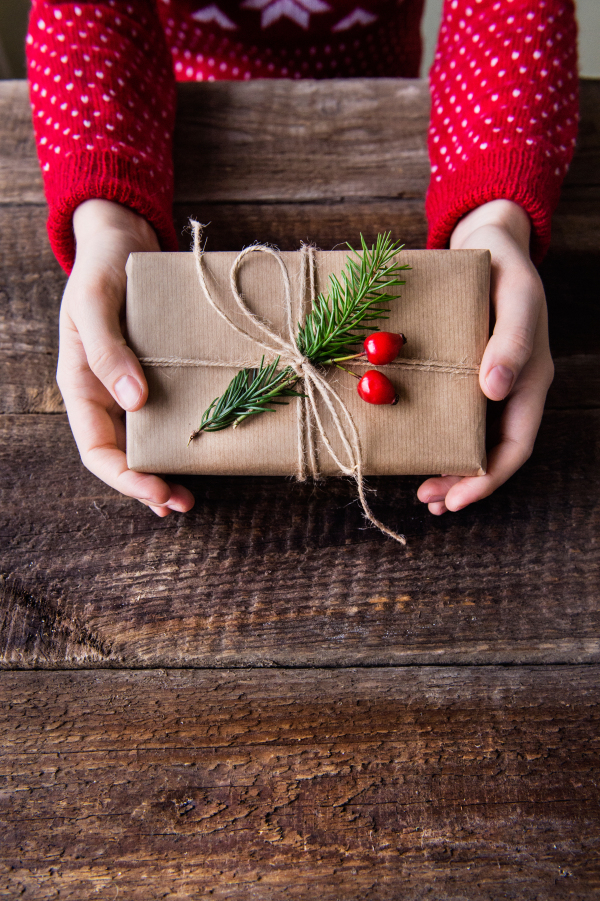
[[434, 498], [499, 381], [128, 391]]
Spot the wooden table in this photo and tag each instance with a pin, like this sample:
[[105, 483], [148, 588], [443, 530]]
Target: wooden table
[[264, 699]]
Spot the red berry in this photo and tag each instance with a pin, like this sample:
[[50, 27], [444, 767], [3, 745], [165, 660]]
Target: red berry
[[376, 388], [383, 347]]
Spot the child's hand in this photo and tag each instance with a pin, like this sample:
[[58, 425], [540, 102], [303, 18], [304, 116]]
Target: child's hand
[[517, 362], [98, 375]]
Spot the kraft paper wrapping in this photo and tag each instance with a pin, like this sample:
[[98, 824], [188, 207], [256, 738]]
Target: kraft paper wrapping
[[437, 427]]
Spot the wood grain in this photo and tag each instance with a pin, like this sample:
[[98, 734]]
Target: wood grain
[[585, 169], [267, 140], [576, 223], [20, 176], [31, 285], [461, 783], [235, 225], [271, 572], [189, 590], [292, 140], [283, 140], [419, 783]]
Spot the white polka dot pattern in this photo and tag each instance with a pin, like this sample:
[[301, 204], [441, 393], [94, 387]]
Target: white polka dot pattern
[[103, 100], [102, 75], [504, 109]]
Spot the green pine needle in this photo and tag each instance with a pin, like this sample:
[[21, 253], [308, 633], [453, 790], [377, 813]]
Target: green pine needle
[[334, 326], [250, 391], [340, 319]]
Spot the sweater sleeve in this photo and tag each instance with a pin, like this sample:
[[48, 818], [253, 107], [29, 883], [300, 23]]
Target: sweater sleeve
[[103, 100], [504, 111]]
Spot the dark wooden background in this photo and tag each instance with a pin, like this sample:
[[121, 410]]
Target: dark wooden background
[[264, 698]]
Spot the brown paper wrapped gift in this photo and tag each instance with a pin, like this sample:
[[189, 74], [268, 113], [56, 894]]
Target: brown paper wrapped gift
[[437, 427]]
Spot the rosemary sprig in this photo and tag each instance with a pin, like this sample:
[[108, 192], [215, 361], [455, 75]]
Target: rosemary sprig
[[250, 391], [339, 319]]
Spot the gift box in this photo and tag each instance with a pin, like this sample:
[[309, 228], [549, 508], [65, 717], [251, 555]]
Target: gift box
[[438, 425]]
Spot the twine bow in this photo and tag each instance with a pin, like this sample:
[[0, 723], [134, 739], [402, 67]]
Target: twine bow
[[314, 382], [287, 349]]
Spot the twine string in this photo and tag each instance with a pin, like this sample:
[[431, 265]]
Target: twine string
[[417, 365], [307, 457], [287, 350], [315, 384]]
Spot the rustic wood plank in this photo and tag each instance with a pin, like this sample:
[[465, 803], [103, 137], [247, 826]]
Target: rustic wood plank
[[478, 783], [20, 176], [235, 225], [46, 588], [267, 140], [31, 285], [576, 223], [585, 169], [285, 140], [290, 140], [576, 383], [270, 572]]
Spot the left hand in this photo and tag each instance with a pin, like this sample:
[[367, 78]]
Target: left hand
[[98, 374], [517, 364]]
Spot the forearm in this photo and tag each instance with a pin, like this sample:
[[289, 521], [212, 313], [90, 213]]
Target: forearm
[[504, 111], [103, 123]]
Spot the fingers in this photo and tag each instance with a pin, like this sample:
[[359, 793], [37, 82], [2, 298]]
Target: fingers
[[95, 434], [98, 431], [433, 492], [181, 501], [503, 461], [516, 290], [518, 297], [97, 323], [94, 299], [98, 375], [109, 463], [455, 493], [519, 426], [516, 365]]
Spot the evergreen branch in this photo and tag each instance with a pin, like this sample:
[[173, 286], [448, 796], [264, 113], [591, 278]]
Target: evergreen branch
[[338, 320], [336, 323], [249, 392]]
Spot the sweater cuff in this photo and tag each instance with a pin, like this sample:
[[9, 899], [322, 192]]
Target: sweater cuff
[[106, 176], [508, 175]]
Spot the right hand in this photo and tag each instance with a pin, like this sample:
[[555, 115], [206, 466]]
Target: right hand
[[98, 375]]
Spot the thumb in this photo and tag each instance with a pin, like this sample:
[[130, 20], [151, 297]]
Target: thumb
[[108, 355], [517, 298]]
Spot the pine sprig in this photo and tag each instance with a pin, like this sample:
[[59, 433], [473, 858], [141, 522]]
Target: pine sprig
[[333, 327], [339, 319], [250, 391]]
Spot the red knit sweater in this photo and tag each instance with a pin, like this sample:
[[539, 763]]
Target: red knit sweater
[[504, 92]]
